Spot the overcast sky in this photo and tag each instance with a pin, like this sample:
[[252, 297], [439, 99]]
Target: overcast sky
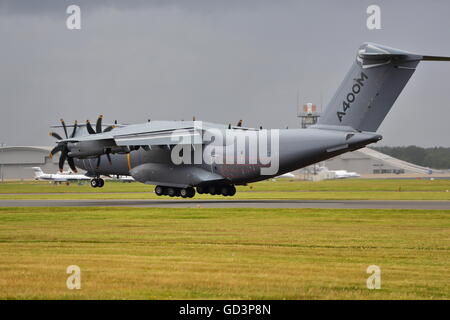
[[218, 60]]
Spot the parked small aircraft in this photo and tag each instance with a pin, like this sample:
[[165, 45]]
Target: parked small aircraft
[[178, 156], [340, 174], [58, 177], [123, 178]]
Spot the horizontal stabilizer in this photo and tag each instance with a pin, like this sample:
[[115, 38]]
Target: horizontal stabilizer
[[435, 58]]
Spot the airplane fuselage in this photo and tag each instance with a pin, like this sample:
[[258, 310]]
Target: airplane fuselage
[[297, 148]]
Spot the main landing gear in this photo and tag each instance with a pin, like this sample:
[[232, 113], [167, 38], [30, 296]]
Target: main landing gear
[[224, 190], [97, 183], [213, 189], [175, 192]]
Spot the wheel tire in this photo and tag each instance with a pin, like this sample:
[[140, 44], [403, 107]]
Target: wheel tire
[[171, 192], [184, 192], [225, 191], [191, 192], [94, 183], [159, 190], [231, 191], [200, 190], [212, 190], [101, 183]]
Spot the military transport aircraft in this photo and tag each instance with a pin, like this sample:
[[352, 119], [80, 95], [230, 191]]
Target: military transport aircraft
[[178, 156]]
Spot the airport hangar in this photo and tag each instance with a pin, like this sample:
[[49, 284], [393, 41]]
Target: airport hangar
[[16, 161]]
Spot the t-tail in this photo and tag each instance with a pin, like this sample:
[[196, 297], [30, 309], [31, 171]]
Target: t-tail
[[371, 87], [37, 172]]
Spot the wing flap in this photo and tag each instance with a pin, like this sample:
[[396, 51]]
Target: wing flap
[[162, 137]]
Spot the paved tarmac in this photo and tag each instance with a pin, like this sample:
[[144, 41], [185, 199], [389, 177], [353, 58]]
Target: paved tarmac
[[230, 203]]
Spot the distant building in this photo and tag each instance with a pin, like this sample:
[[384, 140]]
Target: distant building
[[16, 161], [369, 161]]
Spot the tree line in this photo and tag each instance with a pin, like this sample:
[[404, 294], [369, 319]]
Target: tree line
[[435, 157]]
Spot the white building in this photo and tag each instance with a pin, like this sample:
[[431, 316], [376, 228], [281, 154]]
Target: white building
[[15, 161], [369, 161]]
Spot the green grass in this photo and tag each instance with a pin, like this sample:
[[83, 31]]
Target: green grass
[[150, 253], [356, 189]]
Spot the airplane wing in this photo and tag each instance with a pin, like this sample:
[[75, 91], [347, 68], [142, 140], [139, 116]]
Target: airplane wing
[[188, 135], [148, 134]]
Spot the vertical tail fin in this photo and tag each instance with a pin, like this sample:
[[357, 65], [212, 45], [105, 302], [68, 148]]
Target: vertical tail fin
[[371, 87], [37, 172]]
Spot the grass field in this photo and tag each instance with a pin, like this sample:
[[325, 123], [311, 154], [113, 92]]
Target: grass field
[[154, 253], [355, 189]]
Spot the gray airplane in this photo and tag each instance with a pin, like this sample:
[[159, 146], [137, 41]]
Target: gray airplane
[[215, 158]]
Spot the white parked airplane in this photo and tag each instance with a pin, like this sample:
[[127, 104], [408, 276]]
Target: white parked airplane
[[58, 177], [123, 178], [340, 174]]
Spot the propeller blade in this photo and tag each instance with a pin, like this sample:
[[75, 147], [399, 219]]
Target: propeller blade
[[55, 135], [89, 127], [98, 161], [64, 127], [62, 158], [109, 128], [71, 164], [56, 149], [98, 126], [109, 158], [74, 129]]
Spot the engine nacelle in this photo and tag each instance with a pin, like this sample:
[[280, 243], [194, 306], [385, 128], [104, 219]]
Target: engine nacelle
[[89, 149]]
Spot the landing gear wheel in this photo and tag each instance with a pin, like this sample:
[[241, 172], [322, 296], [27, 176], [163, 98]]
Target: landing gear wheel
[[94, 183], [225, 191], [159, 190], [191, 192], [184, 193], [101, 182], [231, 191], [212, 189], [201, 190], [171, 192]]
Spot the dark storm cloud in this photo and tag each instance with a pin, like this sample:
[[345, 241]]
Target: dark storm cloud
[[218, 60], [56, 6]]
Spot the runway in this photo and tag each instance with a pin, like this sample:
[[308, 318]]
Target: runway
[[271, 204]]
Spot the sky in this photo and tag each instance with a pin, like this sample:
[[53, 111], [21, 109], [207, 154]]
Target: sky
[[219, 61]]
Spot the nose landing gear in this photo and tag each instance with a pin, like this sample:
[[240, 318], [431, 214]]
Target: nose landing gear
[[97, 183]]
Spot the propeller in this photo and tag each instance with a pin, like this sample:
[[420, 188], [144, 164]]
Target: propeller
[[98, 126], [109, 128], [98, 129], [62, 147]]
